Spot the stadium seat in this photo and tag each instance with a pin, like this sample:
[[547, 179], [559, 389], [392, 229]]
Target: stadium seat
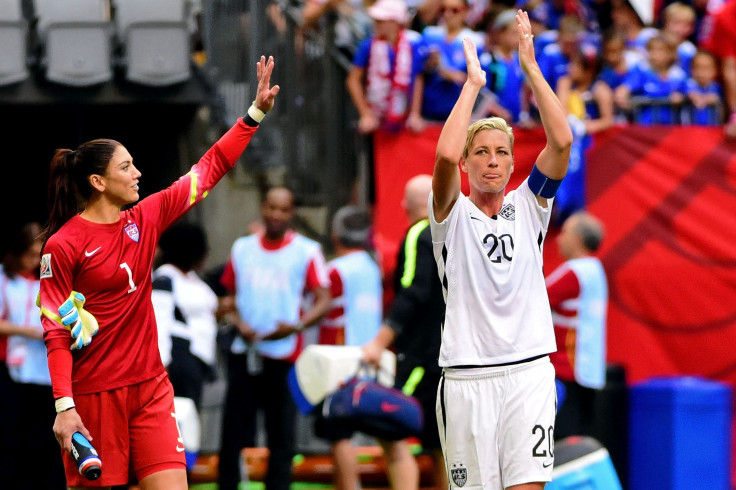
[[75, 36], [14, 42], [154, 40]]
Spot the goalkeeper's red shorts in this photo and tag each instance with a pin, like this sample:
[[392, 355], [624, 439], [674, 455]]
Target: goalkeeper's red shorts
[[133, 429]]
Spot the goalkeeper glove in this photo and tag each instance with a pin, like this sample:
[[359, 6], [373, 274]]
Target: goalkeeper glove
[[81, 323]]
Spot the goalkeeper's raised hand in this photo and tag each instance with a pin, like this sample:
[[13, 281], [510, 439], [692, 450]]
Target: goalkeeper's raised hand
[[82, 324]]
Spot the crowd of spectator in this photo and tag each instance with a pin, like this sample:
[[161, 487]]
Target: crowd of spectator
[[611, 62]]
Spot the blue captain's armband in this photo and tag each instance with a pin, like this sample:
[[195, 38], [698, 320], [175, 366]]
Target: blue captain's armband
[[541, 185]]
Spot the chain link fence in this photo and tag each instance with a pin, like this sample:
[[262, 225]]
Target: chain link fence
[[310, 143]]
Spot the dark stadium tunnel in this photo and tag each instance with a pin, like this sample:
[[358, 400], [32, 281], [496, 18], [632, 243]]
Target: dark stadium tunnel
[[32, 133]]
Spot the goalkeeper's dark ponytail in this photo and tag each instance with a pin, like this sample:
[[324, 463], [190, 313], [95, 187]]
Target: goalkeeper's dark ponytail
[[69, 187]]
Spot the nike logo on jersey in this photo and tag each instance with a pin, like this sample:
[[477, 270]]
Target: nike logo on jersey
[[90, 254], [179, 449]]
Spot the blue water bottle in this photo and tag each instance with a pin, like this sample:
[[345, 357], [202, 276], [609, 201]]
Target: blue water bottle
[[86, 457]]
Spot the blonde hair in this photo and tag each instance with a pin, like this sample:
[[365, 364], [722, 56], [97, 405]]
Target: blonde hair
[[498, 123], [679, 10]]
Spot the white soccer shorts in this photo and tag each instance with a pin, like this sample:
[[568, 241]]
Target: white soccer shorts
[[497, 424]]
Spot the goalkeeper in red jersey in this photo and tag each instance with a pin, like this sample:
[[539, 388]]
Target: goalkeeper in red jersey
[[113, 388]]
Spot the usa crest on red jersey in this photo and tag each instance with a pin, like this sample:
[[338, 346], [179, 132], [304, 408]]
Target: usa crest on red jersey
[[132, 231]]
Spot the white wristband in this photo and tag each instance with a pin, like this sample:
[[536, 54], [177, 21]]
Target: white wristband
[[64, 403], [255, 113]]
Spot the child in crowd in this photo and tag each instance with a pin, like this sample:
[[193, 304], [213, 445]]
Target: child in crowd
[[617, 60], [703, 91], [661, 81], [679, 22], [617, 63]]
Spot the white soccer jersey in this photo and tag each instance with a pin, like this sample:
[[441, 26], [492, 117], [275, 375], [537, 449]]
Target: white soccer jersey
[[491, 272]]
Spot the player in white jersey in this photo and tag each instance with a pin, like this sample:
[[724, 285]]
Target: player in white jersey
[[496, 401]]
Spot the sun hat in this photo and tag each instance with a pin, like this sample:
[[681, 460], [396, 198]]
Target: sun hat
[[389, 10]]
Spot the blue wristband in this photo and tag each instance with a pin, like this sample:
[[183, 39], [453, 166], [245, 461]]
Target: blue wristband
[[541, 185]]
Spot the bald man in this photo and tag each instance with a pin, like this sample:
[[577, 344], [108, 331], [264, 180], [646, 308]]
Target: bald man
[[413, 326], [578, 296], [268, 274]]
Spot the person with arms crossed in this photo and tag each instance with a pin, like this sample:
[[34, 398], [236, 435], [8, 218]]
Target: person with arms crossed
[[496, 401], [269, 274], [413, 326], [114, 389], [578, 297]]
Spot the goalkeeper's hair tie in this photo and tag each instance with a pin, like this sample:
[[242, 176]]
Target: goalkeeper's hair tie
[[64, 403]]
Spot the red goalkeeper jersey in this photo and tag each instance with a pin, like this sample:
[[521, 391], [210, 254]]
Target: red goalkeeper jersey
[[111, 265]]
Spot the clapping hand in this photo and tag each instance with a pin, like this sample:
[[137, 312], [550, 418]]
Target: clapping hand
[[476, 75], [526, 41]]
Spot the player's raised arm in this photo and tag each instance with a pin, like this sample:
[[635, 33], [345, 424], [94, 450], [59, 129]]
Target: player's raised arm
[[446, 177], [552, 160]]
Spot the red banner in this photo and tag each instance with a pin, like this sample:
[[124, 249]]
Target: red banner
[[668, 199]]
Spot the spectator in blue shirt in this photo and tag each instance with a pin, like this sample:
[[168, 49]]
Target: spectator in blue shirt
[[617, 63], [555, 56], [500, 61], [617, 60], [703, 91], [445, 66], [542, 34]]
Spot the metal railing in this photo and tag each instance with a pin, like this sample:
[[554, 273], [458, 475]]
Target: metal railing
[[661, 110]]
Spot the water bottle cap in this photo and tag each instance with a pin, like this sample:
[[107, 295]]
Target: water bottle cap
[[91, 468], [93, 472]]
